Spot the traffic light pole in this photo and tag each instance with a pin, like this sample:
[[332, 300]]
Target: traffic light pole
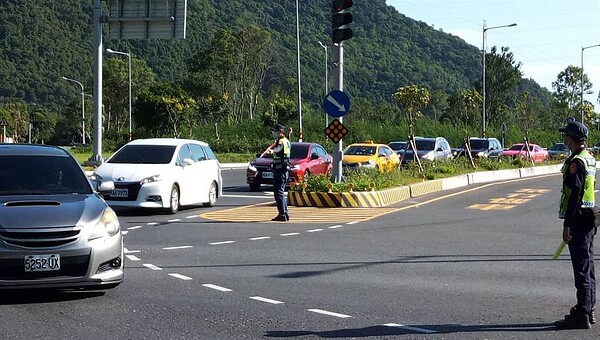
[[338, 79]]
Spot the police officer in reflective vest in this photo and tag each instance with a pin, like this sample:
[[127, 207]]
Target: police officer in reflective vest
[[577, 206], [281, 166]]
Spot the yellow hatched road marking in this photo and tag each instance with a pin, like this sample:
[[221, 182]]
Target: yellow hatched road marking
[[264, 213]]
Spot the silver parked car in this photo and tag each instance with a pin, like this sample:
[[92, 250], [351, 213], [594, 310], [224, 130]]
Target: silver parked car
[[55, 230]]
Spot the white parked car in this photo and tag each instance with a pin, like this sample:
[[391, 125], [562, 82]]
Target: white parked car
[[162, 173]]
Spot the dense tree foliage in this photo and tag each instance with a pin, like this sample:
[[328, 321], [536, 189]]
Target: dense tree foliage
[[237, 68]]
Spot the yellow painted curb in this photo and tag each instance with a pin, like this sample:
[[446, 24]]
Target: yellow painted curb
[[425, 188], [361, 199]]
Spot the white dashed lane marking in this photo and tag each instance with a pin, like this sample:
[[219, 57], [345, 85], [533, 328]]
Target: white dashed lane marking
[[410, 328], [124, 232], [338, 315], [174, 220], [215, 287], [289, 234], [132, 257], [314, 230], [177, 247], [179, 276], [222, 242], [353, 222], [258, 298], [336, 226], [151, 266], [259, 238], [136, 227], [152, 223]]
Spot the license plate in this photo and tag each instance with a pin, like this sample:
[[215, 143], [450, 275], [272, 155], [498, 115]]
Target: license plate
[[42, 263], [120, 193], [267, 175]]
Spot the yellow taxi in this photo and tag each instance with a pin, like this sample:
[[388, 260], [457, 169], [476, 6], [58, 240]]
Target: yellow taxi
[[370, 155]]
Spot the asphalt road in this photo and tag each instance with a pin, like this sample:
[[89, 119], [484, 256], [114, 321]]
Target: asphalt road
[[472, 263]]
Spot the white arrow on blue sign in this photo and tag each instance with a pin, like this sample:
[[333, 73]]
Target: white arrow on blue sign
[[336, 103]]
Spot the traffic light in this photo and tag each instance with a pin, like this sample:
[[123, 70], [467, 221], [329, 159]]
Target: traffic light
[[339, 19]]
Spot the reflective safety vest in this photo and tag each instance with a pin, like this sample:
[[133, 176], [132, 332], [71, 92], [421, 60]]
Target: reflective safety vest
[[588, 199], [287, 146]]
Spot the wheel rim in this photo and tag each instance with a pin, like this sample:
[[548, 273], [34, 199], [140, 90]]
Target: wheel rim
[[174, 199], [212, 193]]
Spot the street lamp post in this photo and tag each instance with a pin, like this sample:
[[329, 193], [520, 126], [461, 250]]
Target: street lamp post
[[82, 107], [326, 78], [583, 49], [129, 63], [298, 71], [485, 29]]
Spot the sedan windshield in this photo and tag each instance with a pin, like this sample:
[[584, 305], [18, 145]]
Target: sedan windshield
[[518, 147], [41, 175], [425, 144], [479, 144], [298, 151], [357, 150], [144, 154]]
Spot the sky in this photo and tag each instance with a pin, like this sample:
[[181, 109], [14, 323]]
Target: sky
[[548, 37]]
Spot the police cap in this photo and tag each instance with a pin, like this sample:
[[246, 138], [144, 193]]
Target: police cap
[[278, 127], [575, 129]]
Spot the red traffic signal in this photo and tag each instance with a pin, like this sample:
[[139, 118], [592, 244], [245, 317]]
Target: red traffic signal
[[339, 19], [340, 5]]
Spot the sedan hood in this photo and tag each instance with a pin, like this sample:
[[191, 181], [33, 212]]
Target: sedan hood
[[119, 172], [65, 210]]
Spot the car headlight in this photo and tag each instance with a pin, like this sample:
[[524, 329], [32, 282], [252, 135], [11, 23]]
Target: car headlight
[[95, 177], [251, 168], [429, 156], [108, 225], [151, 179], [368, 164], [482, 154]]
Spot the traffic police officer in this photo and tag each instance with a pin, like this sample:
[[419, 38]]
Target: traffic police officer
[[281, 166], [577, 207]]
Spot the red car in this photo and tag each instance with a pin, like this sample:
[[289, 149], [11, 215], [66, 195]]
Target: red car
[[306, 159], [538, 153]]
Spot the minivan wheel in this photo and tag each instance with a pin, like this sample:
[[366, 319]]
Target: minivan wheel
[[212, 195], [174, 200]]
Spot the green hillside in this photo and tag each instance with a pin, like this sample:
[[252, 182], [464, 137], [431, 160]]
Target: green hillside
[[41, 43]]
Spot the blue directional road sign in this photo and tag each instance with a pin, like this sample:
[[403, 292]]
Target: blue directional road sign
[[336, 103]]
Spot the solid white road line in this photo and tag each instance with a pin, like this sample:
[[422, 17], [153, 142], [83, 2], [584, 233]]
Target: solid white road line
[[219, 288], [152, 223], [222, 242], [336, 226], [151, 266], [174, 220], [132, 257], [177, 247], [314, 230], [179, 276], [353, 222], [320, 311], [416, 329], [259, 238], [258, 298], [136, 227], [289, 234]]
